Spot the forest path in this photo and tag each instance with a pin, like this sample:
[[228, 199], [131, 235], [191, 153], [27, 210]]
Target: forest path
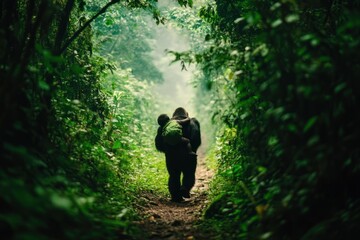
[[163, 219]]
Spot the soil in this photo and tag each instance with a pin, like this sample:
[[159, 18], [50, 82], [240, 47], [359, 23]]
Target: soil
[[163, 219]]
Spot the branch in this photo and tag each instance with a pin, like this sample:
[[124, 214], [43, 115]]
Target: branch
[[82, 28]]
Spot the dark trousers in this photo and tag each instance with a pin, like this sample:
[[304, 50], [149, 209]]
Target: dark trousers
[[180, 164]]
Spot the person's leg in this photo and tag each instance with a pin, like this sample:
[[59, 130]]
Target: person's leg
[[174, 178], [188, 180]]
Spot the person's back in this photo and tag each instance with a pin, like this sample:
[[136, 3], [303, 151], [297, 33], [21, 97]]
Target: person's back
[[172, 131], [191, 130]]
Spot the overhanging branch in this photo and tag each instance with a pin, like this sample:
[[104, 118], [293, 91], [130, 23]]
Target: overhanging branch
[[82, 28]]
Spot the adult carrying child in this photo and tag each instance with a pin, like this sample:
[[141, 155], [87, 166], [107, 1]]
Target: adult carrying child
[[172, 131]]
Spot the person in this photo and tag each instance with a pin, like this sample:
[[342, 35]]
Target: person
[[172, 131], [178, 161]]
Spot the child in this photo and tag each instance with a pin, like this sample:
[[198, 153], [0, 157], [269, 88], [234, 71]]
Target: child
[[172, 131]]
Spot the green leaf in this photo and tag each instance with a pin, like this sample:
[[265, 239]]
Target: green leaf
[[239, 20], [307, 37], [313, 140], [262, 169], [43, 85], [292, 128], [61, 202], [244, 115], [276, 23], [272, 141], [340, 87], [292, 18], [109, 21], [310, 123], [275, 6], [266, 235], [190, 2], [116, 145]]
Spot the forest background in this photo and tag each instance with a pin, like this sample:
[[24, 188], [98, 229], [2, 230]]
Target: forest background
[[272, 82]]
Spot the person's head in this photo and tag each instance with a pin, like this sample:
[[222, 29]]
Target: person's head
[[163, 119], [180, 113]]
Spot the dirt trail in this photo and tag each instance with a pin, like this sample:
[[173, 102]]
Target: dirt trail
[[177, 221]]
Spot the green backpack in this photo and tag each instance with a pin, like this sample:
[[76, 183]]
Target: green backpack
[[172, 133]]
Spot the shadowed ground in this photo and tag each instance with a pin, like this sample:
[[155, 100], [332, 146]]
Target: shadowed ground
[[176, 221]]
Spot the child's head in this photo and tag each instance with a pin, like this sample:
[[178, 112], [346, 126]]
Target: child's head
[[163, 119]]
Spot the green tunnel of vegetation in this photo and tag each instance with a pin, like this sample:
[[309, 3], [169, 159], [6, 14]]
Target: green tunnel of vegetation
[[277, 93]]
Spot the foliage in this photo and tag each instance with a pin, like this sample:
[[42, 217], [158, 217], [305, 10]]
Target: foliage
[[76, 115], [283, 73], [132, 124], [125, 37], [68, 149]]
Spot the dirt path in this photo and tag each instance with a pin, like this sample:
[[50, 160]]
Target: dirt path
[[177, 221]]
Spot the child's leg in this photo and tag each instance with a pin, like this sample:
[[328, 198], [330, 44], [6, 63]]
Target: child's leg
[[188, 145]]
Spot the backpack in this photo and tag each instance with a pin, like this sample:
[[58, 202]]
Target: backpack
[[172, 133]]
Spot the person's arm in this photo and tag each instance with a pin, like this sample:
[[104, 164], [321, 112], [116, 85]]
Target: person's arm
[[195, 138], [183, 122]]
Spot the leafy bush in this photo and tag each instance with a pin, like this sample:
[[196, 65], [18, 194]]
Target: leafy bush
[[288, 155], [70, 142]]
